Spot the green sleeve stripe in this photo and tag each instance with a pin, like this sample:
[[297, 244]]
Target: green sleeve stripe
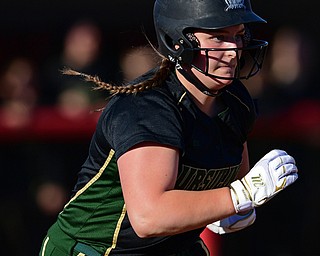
[[94, 179], [116, 232]]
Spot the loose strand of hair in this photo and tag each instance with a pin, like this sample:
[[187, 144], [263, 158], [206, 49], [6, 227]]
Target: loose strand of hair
[[95, 79], [154, 81]]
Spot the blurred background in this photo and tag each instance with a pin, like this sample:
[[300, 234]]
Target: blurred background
[[47, 119]]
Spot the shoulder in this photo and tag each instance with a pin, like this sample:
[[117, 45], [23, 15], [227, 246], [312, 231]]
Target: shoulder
[[150, 115], [145, 103], [158, 99]]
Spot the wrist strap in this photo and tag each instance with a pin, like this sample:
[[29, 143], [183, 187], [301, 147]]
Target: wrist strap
[[240, 197]]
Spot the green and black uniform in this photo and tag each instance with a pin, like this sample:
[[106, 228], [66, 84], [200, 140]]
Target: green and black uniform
[[95, 221]]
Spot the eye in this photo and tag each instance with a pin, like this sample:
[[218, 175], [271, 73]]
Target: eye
[[218, 38], [239, 39]]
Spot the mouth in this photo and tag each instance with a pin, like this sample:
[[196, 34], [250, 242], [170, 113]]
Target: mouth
[[228, 64], [227, 68]]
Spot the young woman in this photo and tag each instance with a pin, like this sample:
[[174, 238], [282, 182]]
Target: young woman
[[169, 154]]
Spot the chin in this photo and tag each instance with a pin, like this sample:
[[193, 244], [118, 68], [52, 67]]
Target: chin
[[224, 82]]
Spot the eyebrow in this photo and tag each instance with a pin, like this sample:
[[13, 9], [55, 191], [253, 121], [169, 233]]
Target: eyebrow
[[226, 31]]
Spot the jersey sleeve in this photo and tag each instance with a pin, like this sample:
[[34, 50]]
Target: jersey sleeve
[[146, 116]]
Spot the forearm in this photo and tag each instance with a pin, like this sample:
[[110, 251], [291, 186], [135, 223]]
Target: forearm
[[177, 211]]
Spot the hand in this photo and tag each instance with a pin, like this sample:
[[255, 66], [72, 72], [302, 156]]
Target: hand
[[233, 223], [274, 172]]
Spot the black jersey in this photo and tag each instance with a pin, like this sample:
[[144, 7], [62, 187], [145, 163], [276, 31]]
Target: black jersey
[[210, 148]]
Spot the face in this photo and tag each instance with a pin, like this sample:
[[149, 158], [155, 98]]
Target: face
[[221, 63]]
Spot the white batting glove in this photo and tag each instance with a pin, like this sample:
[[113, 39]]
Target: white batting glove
[[233, 223], [274, 172]]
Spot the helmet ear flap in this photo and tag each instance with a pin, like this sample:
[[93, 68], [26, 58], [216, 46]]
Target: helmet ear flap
[[180, 51], [188, 53], [167, 44], [193, 40]]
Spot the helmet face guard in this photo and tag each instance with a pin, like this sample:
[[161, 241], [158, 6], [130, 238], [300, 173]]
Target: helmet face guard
[[173, 18], [249, 59]]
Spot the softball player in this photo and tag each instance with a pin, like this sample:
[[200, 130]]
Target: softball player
[[169, 154]]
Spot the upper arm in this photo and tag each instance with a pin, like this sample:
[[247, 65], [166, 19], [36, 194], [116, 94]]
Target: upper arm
[[146, 172]]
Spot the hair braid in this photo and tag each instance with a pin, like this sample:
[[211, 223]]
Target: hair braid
[[154, 81]]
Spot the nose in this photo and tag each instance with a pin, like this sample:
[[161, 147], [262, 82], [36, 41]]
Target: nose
[[232, 53], [230, 44]]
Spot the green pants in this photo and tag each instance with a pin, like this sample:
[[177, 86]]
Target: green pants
[[56, 243]]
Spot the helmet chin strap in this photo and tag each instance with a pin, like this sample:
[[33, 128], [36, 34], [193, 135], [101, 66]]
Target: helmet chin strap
[[196, 82]]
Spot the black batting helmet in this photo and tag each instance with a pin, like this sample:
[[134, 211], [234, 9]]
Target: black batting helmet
[[173, 18]]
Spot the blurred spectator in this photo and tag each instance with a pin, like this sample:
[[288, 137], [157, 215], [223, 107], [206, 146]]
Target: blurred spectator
[[135, 61], [74, 103], [18, 93], [18, 99], [288, 73], [289, 105], [82, 51], [287, 89], [73, 99]]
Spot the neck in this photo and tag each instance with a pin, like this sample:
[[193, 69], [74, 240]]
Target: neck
[[205, 103]]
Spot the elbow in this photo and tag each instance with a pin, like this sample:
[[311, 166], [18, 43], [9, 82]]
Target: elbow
[[142, 232], [144, 227]]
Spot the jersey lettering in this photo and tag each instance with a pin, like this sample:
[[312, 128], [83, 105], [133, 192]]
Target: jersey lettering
[[191, 178]]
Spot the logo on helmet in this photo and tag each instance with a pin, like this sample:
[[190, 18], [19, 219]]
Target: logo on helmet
[[235, 4]]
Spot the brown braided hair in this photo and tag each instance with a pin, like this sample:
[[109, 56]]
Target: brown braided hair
[[163, 71]]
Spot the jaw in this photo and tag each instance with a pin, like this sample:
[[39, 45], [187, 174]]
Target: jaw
[[215, 81]]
